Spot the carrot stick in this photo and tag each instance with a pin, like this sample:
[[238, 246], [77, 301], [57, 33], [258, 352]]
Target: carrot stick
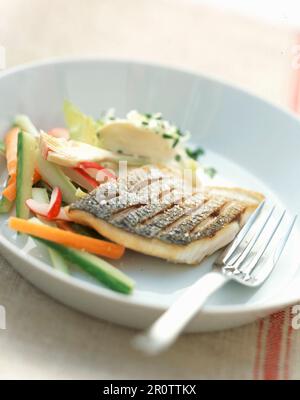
[[75, 240], [11, 143]]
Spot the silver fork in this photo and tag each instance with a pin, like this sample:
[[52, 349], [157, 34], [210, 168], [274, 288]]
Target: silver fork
[[248, 259]]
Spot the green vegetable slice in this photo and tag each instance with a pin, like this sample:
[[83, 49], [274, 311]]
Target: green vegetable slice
[[25, 171], [82, 127], [54, 176], [25, 123], [95, 266]]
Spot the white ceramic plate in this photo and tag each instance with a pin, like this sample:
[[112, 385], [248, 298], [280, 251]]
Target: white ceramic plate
[[251, 143]]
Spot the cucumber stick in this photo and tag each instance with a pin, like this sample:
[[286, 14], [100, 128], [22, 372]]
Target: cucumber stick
[[95, 266], [54, 176], [25, 171], [58, 261], [24, 123]]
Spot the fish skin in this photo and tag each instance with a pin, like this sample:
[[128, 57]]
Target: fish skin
[[172, 217], [230, 212], [155, 226]]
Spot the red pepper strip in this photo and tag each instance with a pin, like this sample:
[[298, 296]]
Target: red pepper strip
[[107, 173], [55, 203], [42, 210], [91, 180], [90, 164], [93, 165]]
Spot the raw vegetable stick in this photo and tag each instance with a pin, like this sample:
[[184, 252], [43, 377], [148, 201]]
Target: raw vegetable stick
[[11, 148], [75, 240], [54, 176], [24, 123], [25, 172], [57, 260], [101, 270]]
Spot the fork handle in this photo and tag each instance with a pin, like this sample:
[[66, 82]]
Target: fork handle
[[166, 329]]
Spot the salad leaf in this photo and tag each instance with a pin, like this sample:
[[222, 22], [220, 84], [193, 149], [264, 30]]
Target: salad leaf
[[83, 128]]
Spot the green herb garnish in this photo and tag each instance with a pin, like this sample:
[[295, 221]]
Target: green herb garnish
[[167, 136], [179, 132], [178, 157], [147, 115], [175, 142], [210, 171], [144, 123], [194, 154]]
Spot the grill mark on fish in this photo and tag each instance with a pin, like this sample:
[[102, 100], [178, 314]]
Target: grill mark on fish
[[179, 232], [153, 226], [140, 214], [228, 214], [107, 208]]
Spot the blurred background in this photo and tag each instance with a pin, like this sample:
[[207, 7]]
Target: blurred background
[[239, 41], [285, 12]]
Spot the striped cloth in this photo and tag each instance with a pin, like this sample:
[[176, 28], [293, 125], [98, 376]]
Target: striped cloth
[[277, 347], [44, 339]]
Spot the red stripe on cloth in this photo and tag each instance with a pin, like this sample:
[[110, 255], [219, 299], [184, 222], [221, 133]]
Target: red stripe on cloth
[[273, 346], [258, 354], [287, 355]]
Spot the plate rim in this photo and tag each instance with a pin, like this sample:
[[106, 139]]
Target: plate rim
[[100, 291]]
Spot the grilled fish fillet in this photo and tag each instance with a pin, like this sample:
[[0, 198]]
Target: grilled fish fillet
[[161, 218]]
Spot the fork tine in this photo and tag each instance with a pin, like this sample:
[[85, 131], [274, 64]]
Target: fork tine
[[284, 239], [267, 268], [243, 232], [249, 268], [237, 259]]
